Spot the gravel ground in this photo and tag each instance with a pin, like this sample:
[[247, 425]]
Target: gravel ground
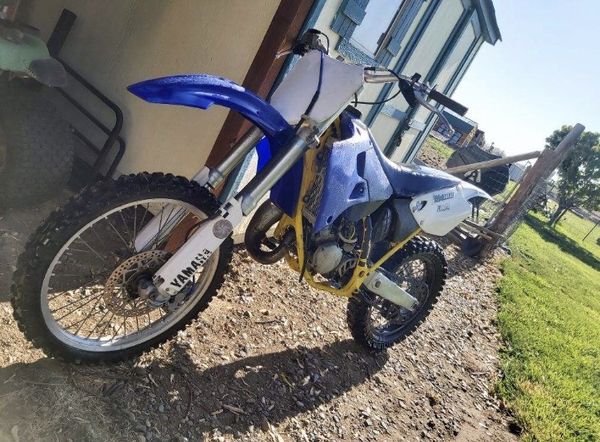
[[431, 157], [271, 359]]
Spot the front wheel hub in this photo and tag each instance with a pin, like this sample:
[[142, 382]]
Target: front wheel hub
[[128, 287]]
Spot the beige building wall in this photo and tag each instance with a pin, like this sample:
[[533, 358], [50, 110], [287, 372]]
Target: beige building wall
[[115, 43]]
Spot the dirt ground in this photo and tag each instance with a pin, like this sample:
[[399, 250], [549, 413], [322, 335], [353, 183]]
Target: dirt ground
[[431, 157], [272, 360]]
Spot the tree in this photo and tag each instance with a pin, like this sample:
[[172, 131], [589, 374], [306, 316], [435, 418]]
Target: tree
[[578, 174]]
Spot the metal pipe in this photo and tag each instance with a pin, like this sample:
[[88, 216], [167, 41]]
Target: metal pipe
[[116, 130], [61, 31], [240, 149], [493, 163], [253, 192]]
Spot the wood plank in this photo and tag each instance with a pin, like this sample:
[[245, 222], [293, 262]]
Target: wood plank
[[261, 76]]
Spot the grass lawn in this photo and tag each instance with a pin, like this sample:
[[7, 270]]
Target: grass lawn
[[440, 147], [550, 320], [576, 228]]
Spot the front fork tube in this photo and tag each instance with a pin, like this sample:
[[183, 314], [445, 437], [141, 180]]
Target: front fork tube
[[170, 216], [180, 268]]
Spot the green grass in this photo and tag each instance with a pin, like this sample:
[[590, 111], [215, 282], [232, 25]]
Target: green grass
[[576, 228], [440, 147], [550, 321], [510, 188]]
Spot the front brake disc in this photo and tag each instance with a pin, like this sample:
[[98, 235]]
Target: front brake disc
[[120, 290]]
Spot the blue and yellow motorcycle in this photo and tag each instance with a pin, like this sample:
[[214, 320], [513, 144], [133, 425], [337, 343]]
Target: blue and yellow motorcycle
[[126, 264]]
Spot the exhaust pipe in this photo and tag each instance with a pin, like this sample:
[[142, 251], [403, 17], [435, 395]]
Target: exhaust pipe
[[255, 238]]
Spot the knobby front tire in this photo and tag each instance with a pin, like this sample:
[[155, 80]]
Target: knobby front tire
[[93, 205]]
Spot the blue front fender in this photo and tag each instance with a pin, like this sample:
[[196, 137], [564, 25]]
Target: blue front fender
[[202, 91]]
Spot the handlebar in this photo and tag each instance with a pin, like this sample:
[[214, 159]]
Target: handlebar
[[416, 92], [412, 89], [448, 102]]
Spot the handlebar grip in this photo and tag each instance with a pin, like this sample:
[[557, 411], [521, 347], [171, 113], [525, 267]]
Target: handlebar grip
[[448, 102]]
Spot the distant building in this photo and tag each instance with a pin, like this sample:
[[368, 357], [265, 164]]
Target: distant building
[[465, 130], [516, 171], [479, 138]]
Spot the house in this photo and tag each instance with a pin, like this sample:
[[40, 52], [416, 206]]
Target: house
[[115, 43], [437, 39], [479, 138], [517, 170], [464, 131]]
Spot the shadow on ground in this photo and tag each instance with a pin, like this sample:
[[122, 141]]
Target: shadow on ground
[[567, 245], [174, 394]]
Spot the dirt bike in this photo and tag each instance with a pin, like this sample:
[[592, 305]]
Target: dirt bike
[[126, 264]]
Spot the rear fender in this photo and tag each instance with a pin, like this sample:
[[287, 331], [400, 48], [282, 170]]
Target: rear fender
[[202, 91], [440, 211], [471, 191]]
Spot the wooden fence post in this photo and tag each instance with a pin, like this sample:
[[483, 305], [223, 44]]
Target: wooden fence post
[[549, 160]]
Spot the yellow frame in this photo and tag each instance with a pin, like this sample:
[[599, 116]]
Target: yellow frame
[[362, 270]]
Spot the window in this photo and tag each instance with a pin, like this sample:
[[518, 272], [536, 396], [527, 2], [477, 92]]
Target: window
[[455, 138], [370, 34], [371, 31]]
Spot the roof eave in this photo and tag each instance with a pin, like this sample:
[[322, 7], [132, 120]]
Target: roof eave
[[487, 18]]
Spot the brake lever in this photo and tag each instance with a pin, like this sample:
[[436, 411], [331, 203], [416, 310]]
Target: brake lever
[[421, 98]]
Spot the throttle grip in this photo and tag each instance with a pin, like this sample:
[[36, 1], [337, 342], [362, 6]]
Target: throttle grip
[[448, 102]]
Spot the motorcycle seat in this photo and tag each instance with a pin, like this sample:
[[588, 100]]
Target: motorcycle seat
[[409, 180]]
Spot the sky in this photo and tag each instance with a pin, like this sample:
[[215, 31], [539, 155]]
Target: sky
[[544, 73]]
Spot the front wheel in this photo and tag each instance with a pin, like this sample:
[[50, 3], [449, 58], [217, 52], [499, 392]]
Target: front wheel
[[76, 288], [420, 267]]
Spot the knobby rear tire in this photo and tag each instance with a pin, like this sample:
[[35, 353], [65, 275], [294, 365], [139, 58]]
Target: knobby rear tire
[[94, 201], [359, 310]]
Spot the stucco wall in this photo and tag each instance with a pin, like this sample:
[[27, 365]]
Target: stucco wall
[[118, 42]]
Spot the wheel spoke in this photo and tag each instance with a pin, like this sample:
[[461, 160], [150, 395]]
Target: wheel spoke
[[73, 311], [134, 226], [91, 249], [85, 285], [118, 234], [144, 217], [74, 302], [126, 226], [97, 323], [92, 311], [105, 310]]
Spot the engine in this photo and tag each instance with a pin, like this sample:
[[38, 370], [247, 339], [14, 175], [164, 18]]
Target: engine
[[333, 251]]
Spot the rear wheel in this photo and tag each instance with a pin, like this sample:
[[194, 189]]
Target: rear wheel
[[76, 291], [420, 268]]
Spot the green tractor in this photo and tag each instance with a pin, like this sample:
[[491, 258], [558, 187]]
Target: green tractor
[[36, 145]]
